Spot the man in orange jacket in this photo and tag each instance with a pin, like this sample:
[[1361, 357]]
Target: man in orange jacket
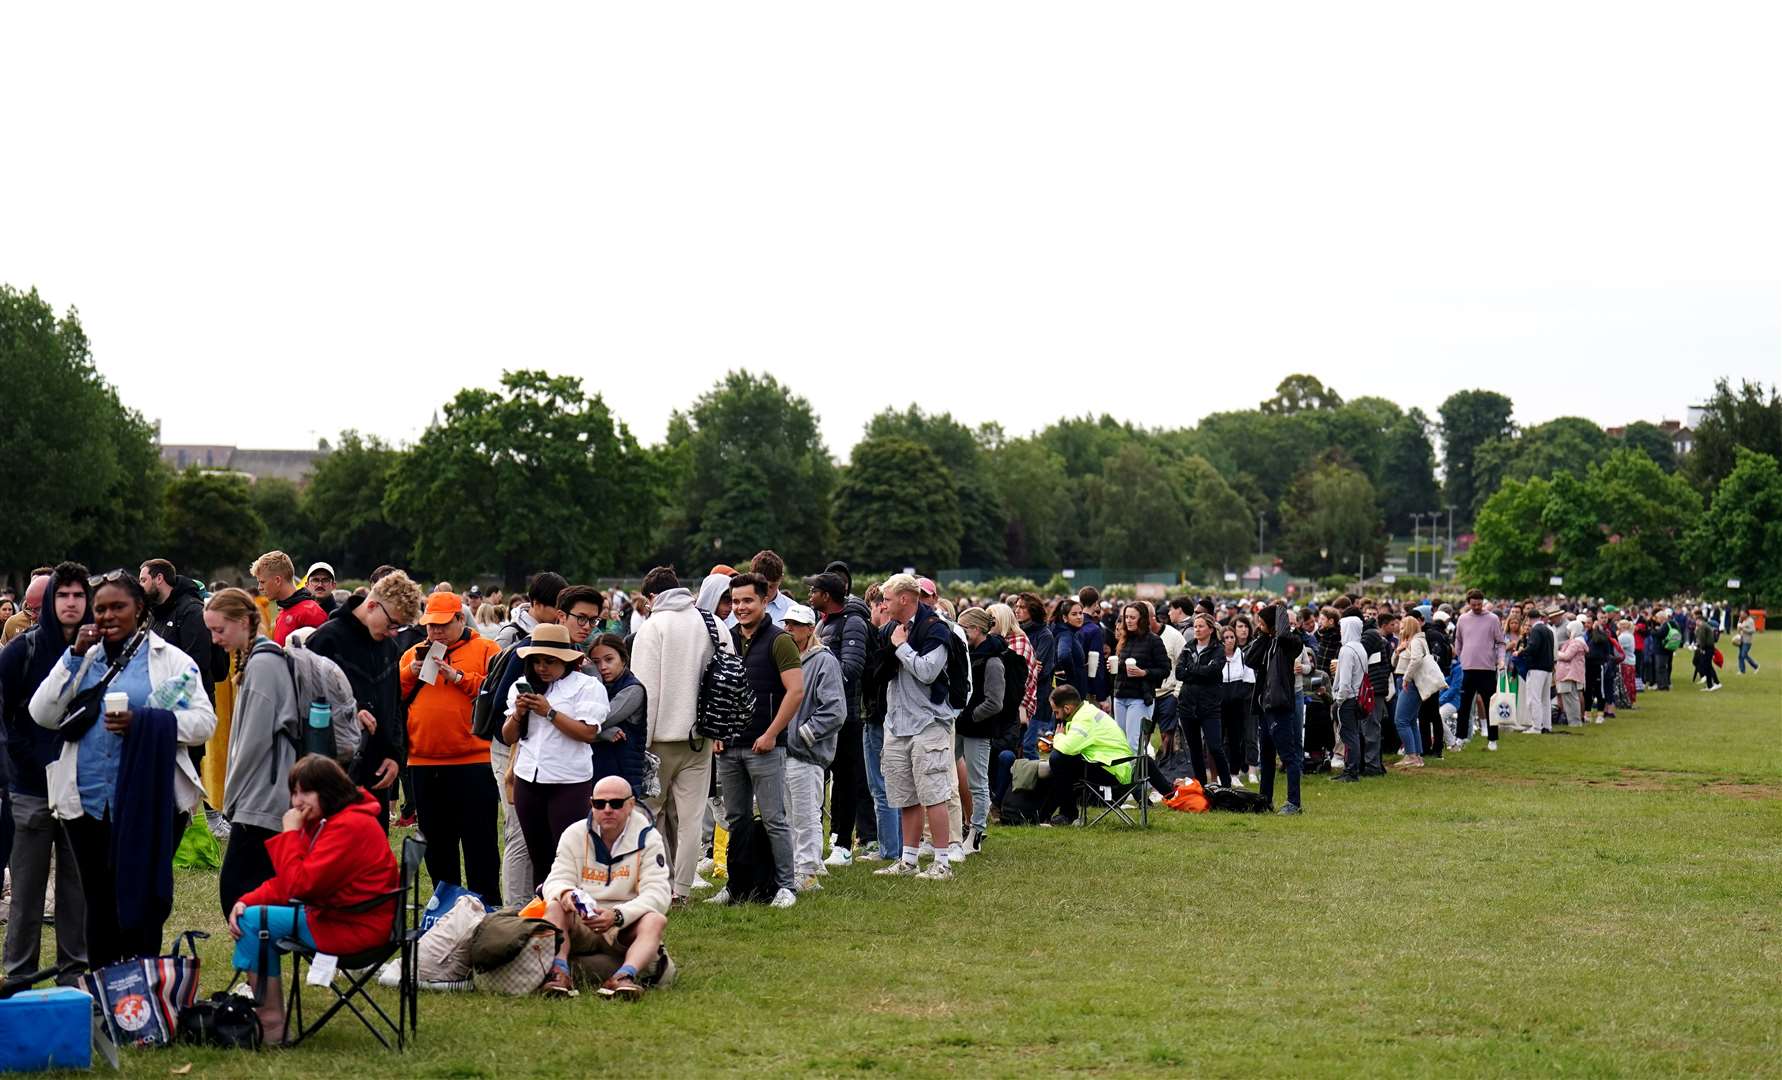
[[454, 791]]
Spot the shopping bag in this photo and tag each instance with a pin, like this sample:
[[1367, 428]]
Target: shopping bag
[[141, 999], [1503, 703], [198, 849], [445, 896]]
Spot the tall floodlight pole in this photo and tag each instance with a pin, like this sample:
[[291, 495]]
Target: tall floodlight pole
[[1450, 555]]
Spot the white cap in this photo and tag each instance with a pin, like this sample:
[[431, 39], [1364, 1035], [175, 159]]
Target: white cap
[[313, 567], [800, 614]]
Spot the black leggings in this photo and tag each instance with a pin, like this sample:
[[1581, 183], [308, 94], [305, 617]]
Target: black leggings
[[545, 811], [456, 806], [246, 865], [107, 942], [1201, 725], [848, 791], [1234, 717], [1593, 685], [1429, 720]]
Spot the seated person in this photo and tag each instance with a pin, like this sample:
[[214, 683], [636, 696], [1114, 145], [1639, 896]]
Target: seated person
[[330, 864], [617, 862], [1085, 747]]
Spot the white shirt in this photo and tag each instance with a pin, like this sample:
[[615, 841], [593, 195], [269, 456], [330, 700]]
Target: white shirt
[[1236, 670], [1173, 642], [546, 755]]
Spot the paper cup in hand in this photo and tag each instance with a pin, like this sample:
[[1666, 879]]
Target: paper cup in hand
[[116, 703]]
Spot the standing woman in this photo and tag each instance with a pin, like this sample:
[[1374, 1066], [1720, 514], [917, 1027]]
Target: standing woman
[[1603, 666], [1071, 669], [1629, 659], [1140, 665], [1747, 634], [1411, 663], [1568, 669], [255, 792], [123, 784], [1252, 745], [552, 768], [1004, 624], [619, 748], [1201, 669], [1234, 701]]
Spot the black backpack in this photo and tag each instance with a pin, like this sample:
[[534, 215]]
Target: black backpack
[[749, 870], [1236, 800], [224, 1020], [957, 690], [491, 698], [1021, 806], [726, 700]]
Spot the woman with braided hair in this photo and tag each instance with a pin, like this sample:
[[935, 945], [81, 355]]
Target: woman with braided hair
[[255, 793]]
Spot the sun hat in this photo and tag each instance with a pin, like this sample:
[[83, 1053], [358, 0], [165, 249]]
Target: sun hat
[[551, 639], [442, 608], [799, 614]]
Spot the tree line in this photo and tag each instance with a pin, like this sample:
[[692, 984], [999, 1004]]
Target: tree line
[[538, 471]]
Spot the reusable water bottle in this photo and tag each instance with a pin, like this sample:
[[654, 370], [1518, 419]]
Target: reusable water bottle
[[318, 734]]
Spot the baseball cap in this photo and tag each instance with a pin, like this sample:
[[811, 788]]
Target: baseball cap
[[313, 567], [926, 586], [442, 608], [799, 614]]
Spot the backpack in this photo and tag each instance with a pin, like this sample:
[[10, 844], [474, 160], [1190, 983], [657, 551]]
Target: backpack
[[314, 677], [749, 874], [491, 698], [957, 691], [1673, 640], [1364, 694], [726, 700], [1021, 806], [224, 1020], [1236, 800]]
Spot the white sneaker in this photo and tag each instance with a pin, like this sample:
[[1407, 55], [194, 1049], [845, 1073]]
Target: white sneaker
[[1715, 687], [1155, 797], [840, 856], [897, 869], [872, 850], [700, 883], [706, 865], [1336, 763], [723, 897], [937, 872], [956, 852], [1491, 744], [785, 898], [1255, 777], [1237, 780]]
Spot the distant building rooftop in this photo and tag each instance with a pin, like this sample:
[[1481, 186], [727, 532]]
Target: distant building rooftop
[[292, 465]]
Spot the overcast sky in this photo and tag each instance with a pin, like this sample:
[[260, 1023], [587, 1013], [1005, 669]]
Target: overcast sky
[[280, 221]]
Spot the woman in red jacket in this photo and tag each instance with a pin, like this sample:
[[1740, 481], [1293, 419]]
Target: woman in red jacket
[[331, 856]]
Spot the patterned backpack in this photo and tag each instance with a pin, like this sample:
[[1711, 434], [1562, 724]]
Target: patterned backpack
[[726, 700]]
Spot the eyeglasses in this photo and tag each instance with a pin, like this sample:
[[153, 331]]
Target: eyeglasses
[[585, 620], [609, 804], [111, 577]]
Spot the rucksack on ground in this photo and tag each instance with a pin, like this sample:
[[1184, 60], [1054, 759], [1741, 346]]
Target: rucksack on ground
[[1021, 806], [726, 700], [1236, 800], [314, 677], [749, 874]]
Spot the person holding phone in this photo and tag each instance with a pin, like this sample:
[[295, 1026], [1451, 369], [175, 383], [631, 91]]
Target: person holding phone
[[553, 712]]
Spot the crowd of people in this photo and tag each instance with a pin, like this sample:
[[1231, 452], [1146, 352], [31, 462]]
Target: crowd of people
[[549, 746]]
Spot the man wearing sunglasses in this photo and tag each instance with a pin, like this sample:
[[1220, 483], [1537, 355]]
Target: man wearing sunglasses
[[608, 891]]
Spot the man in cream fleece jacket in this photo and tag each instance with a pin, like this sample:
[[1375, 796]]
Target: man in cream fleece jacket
[[616, 861], [668, 656]]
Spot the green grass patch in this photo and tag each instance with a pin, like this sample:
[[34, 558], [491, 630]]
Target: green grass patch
[[1602, 903]]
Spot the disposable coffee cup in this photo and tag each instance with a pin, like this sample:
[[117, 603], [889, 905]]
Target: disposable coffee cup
[[116, 703], [1131, 663]]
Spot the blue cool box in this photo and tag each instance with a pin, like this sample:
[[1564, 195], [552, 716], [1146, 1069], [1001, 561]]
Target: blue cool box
[[46, 1029]]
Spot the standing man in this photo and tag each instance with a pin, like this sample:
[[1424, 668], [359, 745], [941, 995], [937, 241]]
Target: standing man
[[752, 770], [843, 631], [30, 608], [918, 753], [320, 583], [1273, 655], [771, 569], [276, 574], [1538, 649], [178, 616], [1479, 642], [669, 656], [24, 664], [360, 638], [448, 767]]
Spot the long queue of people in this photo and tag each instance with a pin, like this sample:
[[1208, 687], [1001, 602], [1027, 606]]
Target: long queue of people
[[540, 752]]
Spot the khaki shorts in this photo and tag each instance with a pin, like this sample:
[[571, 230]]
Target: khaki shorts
[[919, 768]]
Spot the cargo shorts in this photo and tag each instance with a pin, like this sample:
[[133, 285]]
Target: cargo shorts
[[919, 768]]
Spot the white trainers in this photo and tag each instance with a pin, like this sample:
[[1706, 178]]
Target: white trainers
[[899, 868], [937, 872], [700, 884], [1715, 687], [1237, 780], [706, 865], [723, 897], [840, 856], [1336, 763], [1255, 776], [1491, 744], [785, 898], [955, 852]]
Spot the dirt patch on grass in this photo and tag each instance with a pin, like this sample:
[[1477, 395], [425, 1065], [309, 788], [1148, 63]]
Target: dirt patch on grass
[[1636, 779], [1744, 791]]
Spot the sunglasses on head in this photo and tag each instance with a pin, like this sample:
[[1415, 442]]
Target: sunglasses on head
[[609, 804], [109, 578]]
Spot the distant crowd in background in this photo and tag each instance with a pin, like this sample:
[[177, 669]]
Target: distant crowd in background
[[594, 758]]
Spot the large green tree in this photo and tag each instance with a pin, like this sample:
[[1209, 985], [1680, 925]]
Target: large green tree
[[279, 502], [1566, 444], [960, 450], [1139, 515], [1034, 495], [1331, 520], [535, 476], [1649, 439], [1301, 393], [346, 504], [1740, 537], [211, 523], [1511, 554], [757, 475], [1749, 418], [1470, 418], [1406, 479], [896, 506], [1221, 527]]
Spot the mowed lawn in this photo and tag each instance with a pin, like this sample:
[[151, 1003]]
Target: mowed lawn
[[1600, 903]]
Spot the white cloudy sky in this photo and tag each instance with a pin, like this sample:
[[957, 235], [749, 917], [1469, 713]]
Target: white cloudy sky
[[278, 221]]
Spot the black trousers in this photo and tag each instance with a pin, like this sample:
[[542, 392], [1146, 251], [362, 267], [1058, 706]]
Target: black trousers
[[1206, 736], [848, 790], [1234, 718], [1478, 683], [246, 865], [1429, 721], [107, 942], [456, 807], [1068, 769]]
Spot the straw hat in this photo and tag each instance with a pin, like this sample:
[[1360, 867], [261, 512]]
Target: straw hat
[[551, 639]]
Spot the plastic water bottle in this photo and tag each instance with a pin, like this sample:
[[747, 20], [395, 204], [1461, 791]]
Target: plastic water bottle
[[318, 734]]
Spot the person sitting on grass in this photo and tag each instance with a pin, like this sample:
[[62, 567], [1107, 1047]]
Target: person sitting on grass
[[1085, 747], [616, 865], [331, 859]]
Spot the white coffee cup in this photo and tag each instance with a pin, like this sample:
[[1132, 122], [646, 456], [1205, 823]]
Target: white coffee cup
[[1131, 664], [116, 703]]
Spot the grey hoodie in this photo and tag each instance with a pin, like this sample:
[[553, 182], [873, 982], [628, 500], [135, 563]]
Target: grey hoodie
[[1351, 660], [255, 791], [811, 736], [710, 589]]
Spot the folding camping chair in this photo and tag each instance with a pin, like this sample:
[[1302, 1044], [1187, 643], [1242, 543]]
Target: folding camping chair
[[1090, 797], [359, 971]]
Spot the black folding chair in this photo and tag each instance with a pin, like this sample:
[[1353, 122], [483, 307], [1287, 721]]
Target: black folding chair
[[1091, 800], [359, 972]]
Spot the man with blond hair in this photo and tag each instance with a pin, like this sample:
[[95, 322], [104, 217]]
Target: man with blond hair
[[277, 576], [918, 754]]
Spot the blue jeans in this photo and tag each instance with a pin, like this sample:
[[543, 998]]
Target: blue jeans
[[1404, 717], [1131, 714], [1279, 732], [1002, 774], [281, 921], [1745, 657], [872, 743]]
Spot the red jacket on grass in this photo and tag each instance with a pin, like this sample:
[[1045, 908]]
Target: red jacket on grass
[[343, 861]]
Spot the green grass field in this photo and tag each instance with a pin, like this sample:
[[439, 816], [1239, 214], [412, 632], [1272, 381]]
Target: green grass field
[[1596, 904]]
